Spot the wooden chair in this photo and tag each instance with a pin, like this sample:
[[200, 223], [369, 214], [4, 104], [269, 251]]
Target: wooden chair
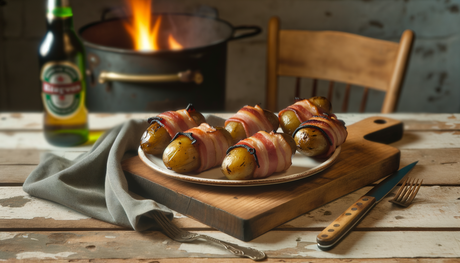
[[337, 57]]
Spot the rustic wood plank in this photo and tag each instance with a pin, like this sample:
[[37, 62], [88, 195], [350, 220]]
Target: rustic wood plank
[[276, 244], [97, 121], [33, 140], [411, 140], [428, 139], [34, 121], [41, 223], [18, 210], [21, 121], [32, 156], [103, 121], [441, 202], [238, 260], [14, 174], [20, 156], [371, 244], [15, 165], [413, 122], [435, 166], [437, 157]]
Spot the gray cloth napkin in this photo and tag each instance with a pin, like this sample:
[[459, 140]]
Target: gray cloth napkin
[[94, 183]]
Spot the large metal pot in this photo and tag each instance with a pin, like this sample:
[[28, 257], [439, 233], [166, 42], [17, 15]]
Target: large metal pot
[[122, 79]]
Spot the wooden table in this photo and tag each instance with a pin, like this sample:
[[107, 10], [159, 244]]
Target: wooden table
[[427, 231]]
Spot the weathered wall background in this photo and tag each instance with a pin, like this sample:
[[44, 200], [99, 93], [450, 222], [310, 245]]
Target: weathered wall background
[[432, 83]]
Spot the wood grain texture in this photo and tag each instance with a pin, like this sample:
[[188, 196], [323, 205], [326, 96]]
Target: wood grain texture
[[14, 122], [272, 64], [35, 230], [342, 224], [337, 56], [20, 211], [246, 213], [49, 224], [238, 260], [130, 245], [399, 72], [15, 174], [15, 165]]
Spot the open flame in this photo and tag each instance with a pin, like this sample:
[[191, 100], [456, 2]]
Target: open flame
[[144, 29]]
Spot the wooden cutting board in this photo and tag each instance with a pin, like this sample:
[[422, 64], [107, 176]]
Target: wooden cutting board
[[248, 212]]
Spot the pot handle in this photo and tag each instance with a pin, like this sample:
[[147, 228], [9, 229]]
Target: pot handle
[[117, 11], [255, 30], [184, 76]]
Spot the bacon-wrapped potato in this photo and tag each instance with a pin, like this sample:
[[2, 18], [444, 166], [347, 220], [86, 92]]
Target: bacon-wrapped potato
[[165, 126], [291, 117], [249, 120], [197, 149], [204, 147], [259, 156], [320, 136]]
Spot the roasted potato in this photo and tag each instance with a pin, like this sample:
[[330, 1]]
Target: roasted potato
[[290, 141], [289, 121], [240, 162], [320, 136], [236, 130], [197, 117], [156, 137], [321, 102], [238, 133], [311, 142], [183, 156]]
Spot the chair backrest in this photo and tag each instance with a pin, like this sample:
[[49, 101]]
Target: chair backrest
[[337, 57]]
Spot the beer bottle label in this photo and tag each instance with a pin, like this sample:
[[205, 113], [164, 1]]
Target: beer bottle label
[[61, 88]]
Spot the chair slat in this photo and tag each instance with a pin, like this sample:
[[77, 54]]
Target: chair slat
[[346, 98], [330, 91], [315, 86], [297, 87], [362, 108]]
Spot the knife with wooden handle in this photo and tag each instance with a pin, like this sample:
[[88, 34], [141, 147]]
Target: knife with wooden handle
[[332, 234]]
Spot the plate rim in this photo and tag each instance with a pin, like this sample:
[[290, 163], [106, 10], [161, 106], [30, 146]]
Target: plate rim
[[241, 183]]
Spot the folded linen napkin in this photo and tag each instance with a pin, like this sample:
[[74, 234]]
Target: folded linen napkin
[[94, 183]]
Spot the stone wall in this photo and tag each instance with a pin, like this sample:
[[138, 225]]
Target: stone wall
[[432, 82]]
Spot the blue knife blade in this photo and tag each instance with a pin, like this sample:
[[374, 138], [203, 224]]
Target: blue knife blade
[[332, 234]]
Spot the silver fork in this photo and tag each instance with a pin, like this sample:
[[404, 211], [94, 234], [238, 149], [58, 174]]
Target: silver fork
[[181, 235], [407, 192]]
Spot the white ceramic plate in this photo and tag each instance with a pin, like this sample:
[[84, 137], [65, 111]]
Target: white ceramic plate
[[301, 167]]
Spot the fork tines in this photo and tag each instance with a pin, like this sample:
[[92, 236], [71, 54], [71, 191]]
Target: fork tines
[[407, 192]]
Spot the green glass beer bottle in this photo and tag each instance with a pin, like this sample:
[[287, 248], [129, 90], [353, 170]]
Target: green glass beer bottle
[[63, 85]]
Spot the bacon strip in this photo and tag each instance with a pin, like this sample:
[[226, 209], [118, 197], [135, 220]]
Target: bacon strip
[[332, 128], [177, 121], [273, 153], [304, 110], [253, 120], [212, 145]]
